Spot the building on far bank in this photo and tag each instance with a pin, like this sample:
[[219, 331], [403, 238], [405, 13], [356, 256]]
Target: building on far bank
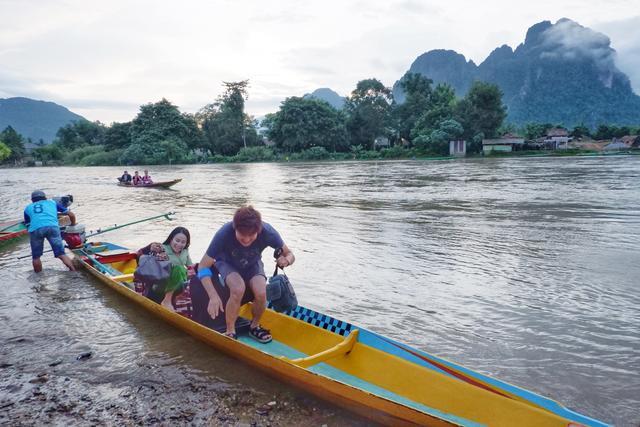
[[30, 146], [628, 140], [616, 146], [557, 138], [458, 148], [506, 144], [381, 142]]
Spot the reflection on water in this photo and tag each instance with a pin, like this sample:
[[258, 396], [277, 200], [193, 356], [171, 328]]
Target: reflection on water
[[526, 269]]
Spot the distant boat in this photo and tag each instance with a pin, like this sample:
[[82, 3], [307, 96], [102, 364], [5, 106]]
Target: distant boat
[[160, 184], [12, 230]]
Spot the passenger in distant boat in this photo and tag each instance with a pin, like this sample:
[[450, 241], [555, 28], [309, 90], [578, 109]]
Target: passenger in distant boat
[[125, 178], [41, 216], [146, 179], [236, 250], [175, 248], [137, 179]]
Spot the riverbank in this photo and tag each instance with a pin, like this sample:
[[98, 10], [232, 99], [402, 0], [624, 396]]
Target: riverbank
[[52, 394], [394, 154]]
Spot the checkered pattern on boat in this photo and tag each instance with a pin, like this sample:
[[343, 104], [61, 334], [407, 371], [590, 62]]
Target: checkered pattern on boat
[[321, 320]]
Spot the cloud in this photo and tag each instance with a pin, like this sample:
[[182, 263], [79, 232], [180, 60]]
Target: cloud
[[570, 40], [625, 39], [105, 59]]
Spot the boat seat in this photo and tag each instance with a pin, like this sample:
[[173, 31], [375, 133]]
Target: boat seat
[[339, 349], [123, 278], [94, 249]]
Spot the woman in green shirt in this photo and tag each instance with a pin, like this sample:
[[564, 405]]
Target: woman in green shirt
[[176, 249]]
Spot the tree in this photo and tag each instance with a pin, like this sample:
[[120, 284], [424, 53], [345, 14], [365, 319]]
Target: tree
[[368, 112], [118, 135], [155, 123], [481, 111], [47, 153], [437, 141], [225, 125], [5, 151], [161, 120], [15, 142], [170, 151], [580, 131], [304, 123], [419, 98], [443, 103], [79, 134], [604, 132], [536, 130]]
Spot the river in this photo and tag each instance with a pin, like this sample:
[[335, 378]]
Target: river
[[524, 269]]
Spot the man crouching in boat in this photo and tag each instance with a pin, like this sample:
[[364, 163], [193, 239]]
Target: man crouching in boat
[[236, 250], [42, 218]]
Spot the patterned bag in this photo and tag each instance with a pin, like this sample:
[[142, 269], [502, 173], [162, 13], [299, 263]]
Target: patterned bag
[[151, 270]]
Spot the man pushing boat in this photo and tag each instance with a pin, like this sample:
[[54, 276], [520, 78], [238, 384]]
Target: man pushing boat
[[42, 218], [236, 251]]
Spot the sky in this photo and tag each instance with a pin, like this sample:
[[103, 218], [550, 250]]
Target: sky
[[104, 59]]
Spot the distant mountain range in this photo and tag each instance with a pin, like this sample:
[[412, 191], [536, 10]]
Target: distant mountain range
[[35, 119], [326, 94], [563, 73]]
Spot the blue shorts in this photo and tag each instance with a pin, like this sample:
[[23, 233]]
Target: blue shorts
[[246, 273], [52, 234]]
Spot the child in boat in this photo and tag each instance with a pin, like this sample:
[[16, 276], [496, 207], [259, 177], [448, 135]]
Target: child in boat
[[41, 216], [236, 250], [137, 179], [146, 179], [176, 249]]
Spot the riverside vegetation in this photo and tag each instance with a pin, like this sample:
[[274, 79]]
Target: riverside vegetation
[[372, 125]]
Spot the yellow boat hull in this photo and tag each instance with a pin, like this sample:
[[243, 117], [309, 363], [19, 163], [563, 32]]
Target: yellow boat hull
[[393, 389]]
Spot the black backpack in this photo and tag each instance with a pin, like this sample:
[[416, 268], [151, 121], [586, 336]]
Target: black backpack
[[280, 293]]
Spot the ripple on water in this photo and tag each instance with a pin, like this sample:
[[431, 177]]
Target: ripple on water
[[521, 268]]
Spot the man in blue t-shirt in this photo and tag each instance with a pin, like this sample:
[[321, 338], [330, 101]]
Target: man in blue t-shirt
[[236, 250], [41, 216]]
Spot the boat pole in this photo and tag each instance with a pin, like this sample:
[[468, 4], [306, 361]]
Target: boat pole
[[115, 227]]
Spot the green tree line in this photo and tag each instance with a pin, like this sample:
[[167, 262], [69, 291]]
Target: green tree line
[[371, 125]]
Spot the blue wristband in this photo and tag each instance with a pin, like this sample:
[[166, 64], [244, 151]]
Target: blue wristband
[[204, 272]]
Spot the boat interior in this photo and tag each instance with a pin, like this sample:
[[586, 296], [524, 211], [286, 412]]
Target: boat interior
[[356, 357]]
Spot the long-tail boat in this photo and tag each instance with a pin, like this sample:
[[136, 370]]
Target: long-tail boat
[[159, 184], [11, 230], [367, 373]]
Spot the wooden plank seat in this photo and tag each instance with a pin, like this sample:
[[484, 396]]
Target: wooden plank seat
[[339, 349]]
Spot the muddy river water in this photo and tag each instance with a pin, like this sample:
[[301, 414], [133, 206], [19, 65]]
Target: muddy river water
[[523, 269]]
